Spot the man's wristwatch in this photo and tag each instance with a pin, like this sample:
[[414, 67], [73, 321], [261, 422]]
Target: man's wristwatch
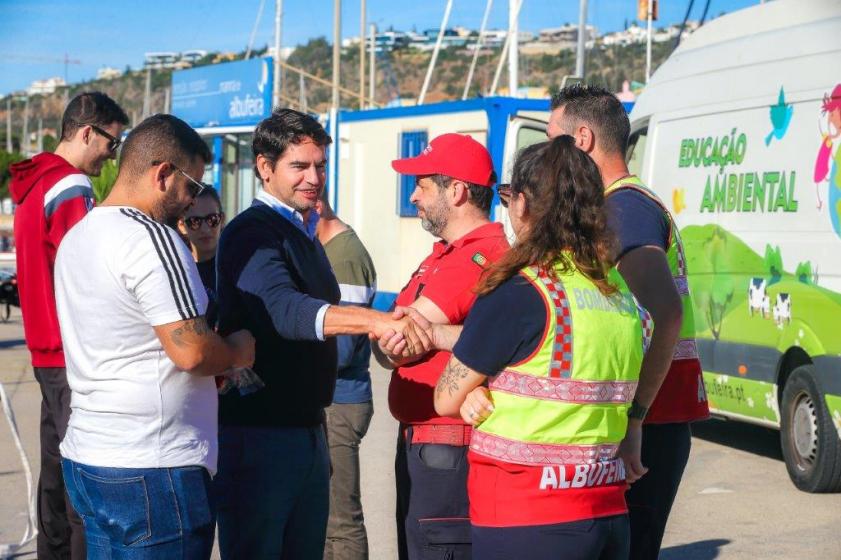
[[637, 411]]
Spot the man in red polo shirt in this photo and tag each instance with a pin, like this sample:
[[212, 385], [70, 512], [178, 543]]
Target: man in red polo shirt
[[453, 195]]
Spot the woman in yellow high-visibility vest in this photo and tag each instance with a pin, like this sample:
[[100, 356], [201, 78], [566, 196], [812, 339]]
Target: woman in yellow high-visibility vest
[[559, 340]]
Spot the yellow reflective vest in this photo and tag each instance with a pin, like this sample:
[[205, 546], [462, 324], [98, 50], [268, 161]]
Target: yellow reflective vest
[[567, 403]]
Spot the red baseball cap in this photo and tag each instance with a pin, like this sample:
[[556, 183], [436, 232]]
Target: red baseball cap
[[455, 155]]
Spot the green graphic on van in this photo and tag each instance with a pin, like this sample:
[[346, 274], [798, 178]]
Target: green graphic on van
[[769, 191], [780, 118], [747, 298]]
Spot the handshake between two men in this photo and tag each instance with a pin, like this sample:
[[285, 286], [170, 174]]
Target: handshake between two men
[[401, 336]]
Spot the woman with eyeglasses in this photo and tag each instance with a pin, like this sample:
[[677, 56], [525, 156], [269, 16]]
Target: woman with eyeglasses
[[558, 340], [201, 226]]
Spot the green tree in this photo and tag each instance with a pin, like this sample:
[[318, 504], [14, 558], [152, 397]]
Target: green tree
[[107, 177], [715, 301], [773, 263], [804, 272], [50, 143], [6, 160]]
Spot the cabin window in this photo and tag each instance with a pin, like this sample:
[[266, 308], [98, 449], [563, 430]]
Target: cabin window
[[636, 151], [411, 144]]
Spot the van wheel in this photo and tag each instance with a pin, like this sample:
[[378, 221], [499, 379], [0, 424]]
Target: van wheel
[[810, 443]]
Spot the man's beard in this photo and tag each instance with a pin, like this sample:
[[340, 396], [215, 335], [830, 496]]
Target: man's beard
[[168, 210], [436, 217]]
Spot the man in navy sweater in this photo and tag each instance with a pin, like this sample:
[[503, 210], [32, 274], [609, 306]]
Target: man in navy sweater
[[274, 279]]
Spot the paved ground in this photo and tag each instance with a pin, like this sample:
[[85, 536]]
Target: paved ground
[[736, 501]]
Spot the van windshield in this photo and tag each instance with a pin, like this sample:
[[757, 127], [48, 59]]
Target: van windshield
[[636, 151]]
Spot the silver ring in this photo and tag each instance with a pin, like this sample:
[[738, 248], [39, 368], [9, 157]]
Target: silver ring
[[473, 414]]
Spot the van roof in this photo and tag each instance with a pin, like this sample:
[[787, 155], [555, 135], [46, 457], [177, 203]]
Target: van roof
[[746, 55]]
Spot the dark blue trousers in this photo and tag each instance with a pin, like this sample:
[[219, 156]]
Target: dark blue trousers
[[273, 492], [665, 451], [432, 508], [604, 538]]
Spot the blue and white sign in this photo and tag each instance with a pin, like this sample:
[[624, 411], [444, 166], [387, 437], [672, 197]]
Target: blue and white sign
[[234, 93]]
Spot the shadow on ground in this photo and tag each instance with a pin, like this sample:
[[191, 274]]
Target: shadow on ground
[[747, 437], [4, 344], [701, 550]]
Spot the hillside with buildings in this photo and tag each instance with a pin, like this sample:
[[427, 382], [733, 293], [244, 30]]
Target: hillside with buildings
[[402, 58]]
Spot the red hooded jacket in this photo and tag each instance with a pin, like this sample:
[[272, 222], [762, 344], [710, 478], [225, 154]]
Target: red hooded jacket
[[51, 196]]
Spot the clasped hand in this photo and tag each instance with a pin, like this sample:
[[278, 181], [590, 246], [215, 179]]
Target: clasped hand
[[406, 336]]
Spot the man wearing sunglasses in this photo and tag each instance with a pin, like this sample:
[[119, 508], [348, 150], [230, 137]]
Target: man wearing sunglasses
[[141, 444], [52, 193]]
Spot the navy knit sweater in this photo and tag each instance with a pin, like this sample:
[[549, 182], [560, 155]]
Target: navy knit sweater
[[272, 280]]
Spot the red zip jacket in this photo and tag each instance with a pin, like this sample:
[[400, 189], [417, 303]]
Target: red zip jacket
[[51, 196]]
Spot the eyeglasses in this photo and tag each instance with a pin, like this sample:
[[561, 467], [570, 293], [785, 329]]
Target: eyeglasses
[[113, 141], [504, 191], [196, 187], [212, 221]]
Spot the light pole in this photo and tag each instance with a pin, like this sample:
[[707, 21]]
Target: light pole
[[9, 124], [582, 37], [337, 50], [372, 66], [649, 17], [514, 45], [362, 54], [278, 24]]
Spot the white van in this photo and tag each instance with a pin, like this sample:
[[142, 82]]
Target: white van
[[739, 132]]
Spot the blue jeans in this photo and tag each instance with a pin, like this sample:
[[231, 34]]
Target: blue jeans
[[139, 514], [273, 491]]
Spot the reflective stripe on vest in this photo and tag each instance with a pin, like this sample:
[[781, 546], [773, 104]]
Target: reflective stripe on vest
[[567, 403], [564, 390], [686, 348]]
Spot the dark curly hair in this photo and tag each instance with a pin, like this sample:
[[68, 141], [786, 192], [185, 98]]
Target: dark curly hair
[[567, 222]]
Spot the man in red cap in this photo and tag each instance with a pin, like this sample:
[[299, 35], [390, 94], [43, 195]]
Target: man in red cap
[[453, 194]]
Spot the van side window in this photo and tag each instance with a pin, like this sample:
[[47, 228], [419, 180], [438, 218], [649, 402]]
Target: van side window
[[412, 144], [636, 151], [526, 136]]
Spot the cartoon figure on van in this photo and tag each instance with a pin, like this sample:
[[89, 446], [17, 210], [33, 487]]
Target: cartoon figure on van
[[831, 111]]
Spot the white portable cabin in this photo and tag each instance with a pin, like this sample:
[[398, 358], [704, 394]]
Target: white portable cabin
[[739, 132], [374, 199]]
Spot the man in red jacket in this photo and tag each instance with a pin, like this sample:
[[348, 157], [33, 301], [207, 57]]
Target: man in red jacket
[[52, 192]]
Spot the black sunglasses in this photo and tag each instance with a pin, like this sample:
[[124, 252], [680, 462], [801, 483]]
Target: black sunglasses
[[196, 187], [212, 221], [113, 141], [504, 191]]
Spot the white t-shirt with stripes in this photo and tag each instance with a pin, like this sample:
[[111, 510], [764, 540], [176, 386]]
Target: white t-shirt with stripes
[[118, 274]]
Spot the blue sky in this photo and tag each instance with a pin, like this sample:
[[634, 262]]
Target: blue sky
[[116, 33]]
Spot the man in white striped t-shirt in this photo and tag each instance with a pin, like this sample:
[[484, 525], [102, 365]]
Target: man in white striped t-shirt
[[141, 444]]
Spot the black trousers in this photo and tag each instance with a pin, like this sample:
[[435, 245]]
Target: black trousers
[[665, 451], [60, 531], [433, 517], [604, 538]]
